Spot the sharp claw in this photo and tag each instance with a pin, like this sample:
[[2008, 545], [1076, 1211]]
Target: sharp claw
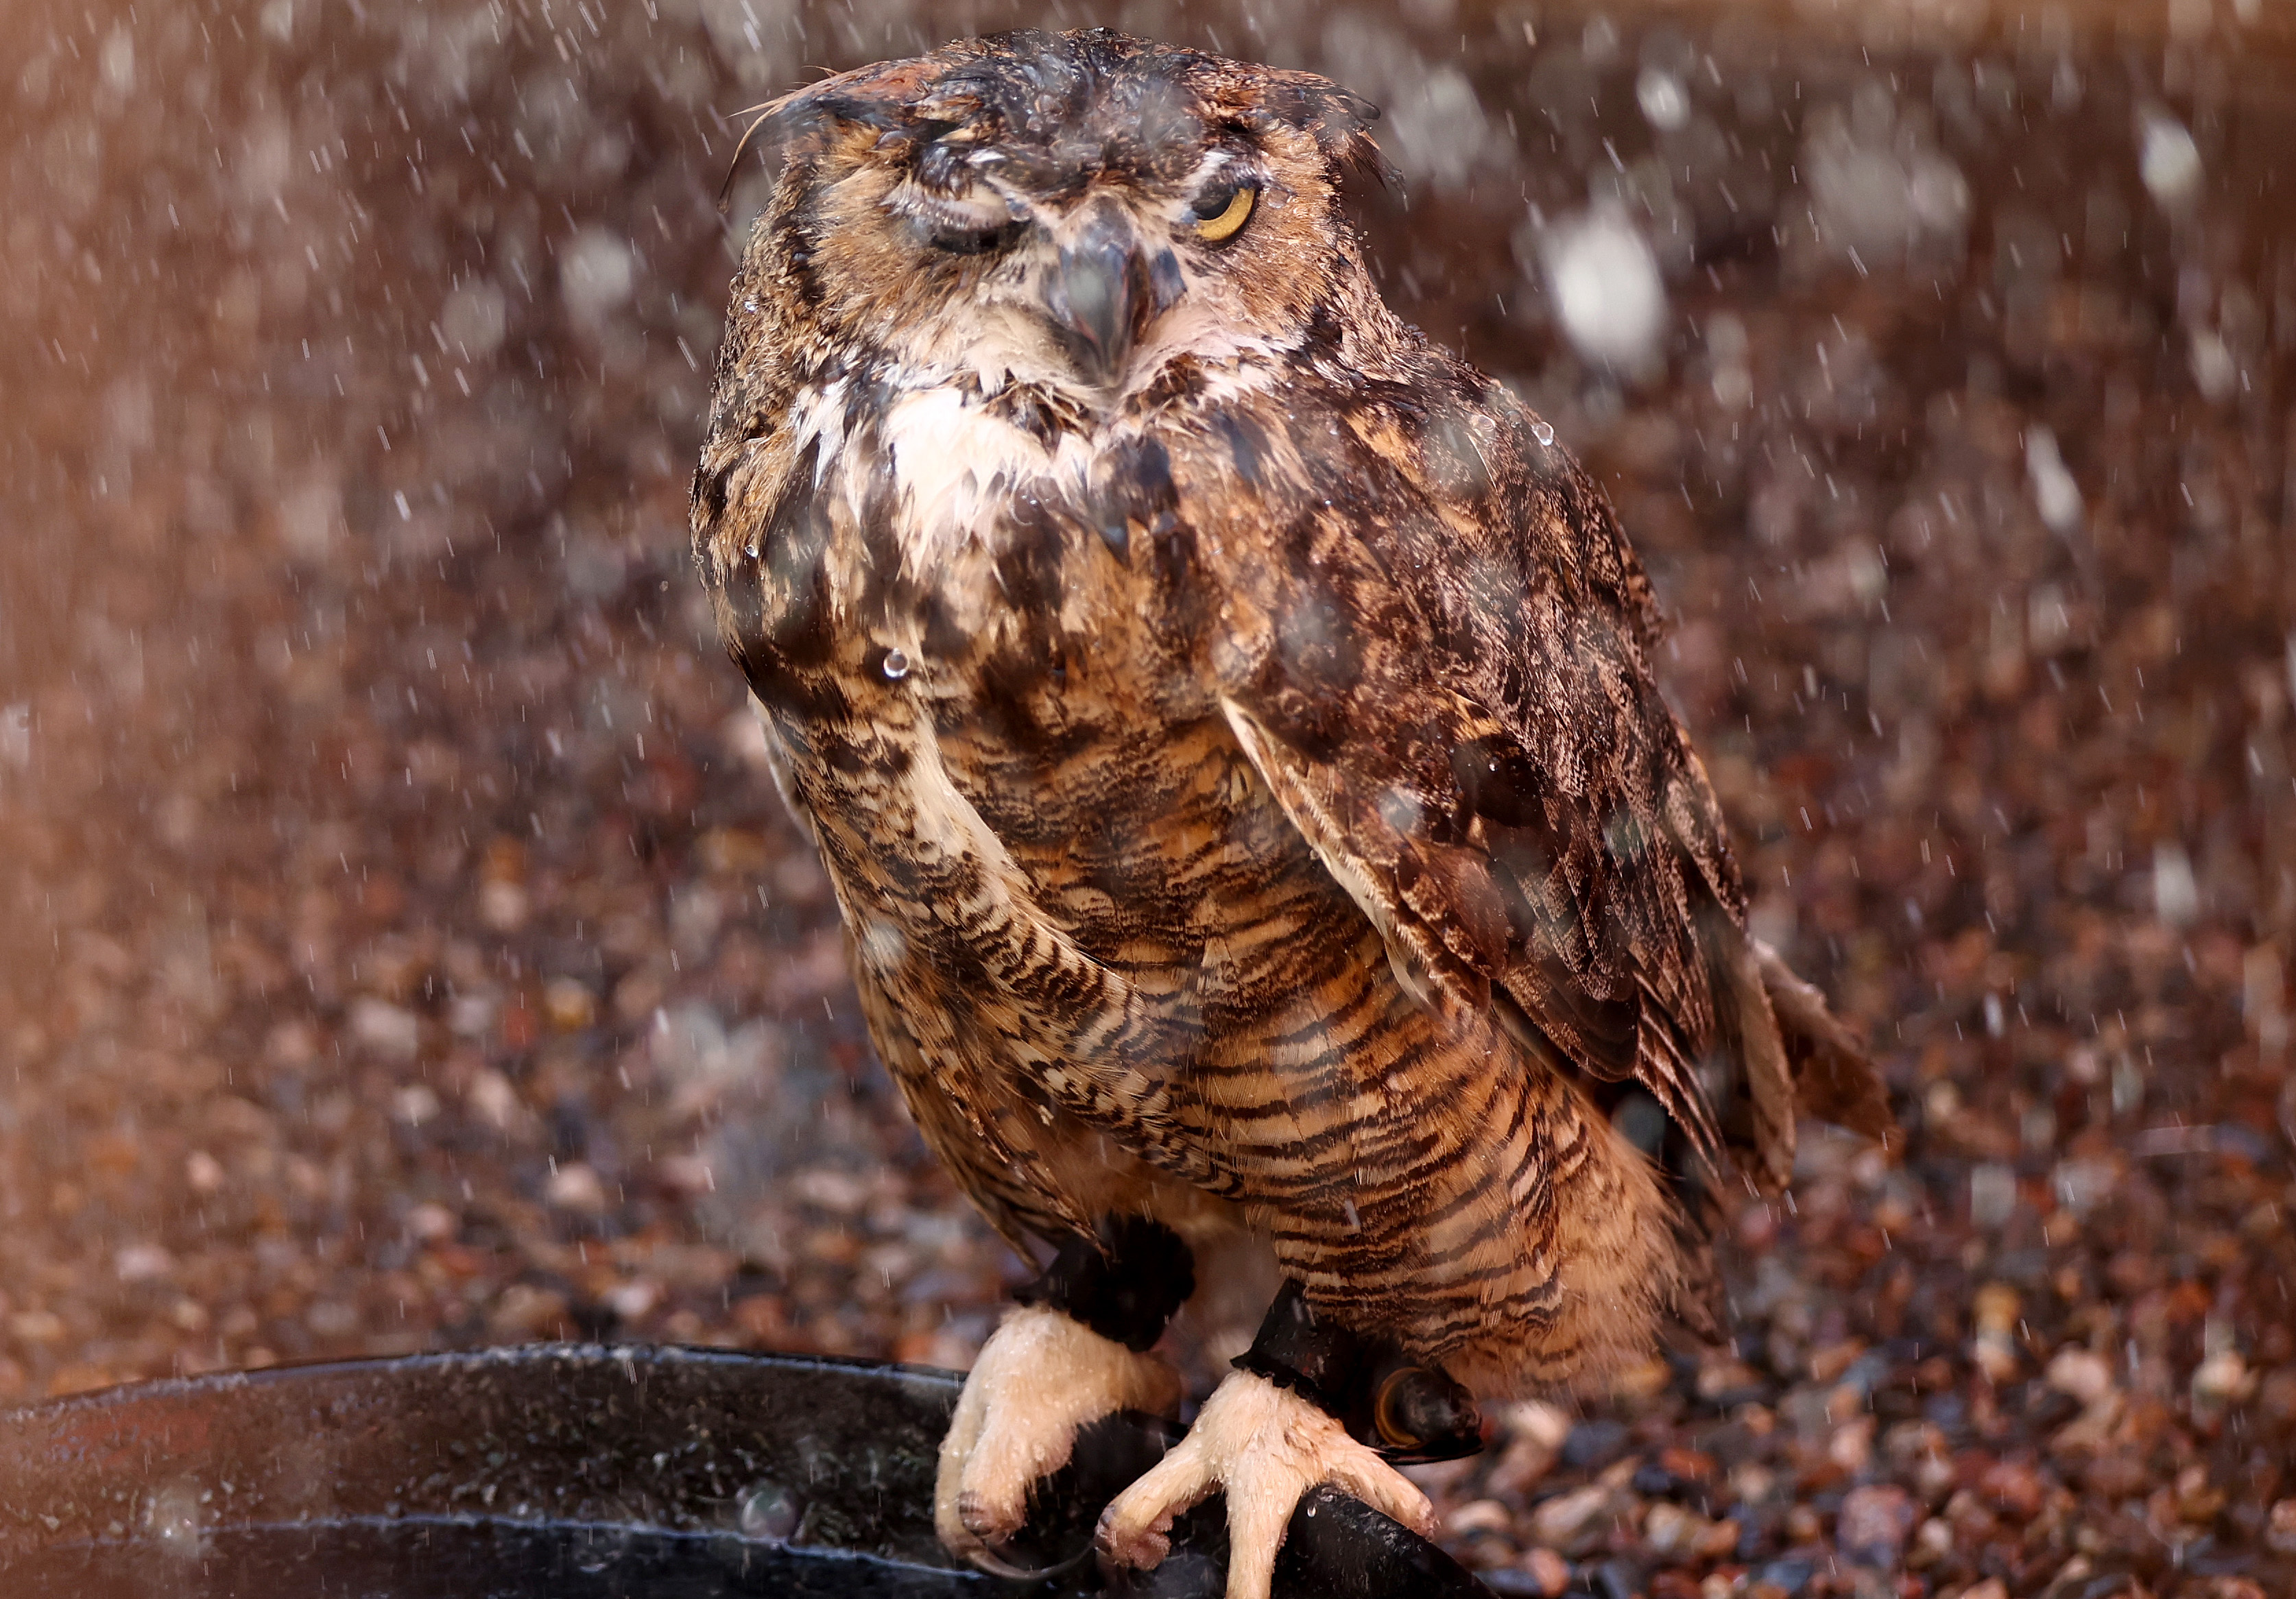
[[990, 1526], [981, 1557], [1136, 1528], [978, 1539], [1142, 1548]]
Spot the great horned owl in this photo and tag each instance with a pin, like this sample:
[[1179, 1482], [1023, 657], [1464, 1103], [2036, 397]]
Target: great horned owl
[[1228, 724]]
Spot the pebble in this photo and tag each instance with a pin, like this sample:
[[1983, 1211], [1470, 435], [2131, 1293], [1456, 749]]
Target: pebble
[[1874, 1522], [1532, 1435], [576, 1187], [1479, 1515], [1673, 1533], [2086, 1375], [2223, 1379], [2015, 1486], [1932, 1542], [1575, 1522], [1549, 1572], [2280, 1528]]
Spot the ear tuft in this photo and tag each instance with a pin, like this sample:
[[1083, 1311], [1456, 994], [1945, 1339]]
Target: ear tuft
[[1338, 119], [800, 123]]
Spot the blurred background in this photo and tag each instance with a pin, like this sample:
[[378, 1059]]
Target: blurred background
[[403, 949]]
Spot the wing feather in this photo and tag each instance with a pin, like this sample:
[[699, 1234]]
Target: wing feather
[[1447, 685]]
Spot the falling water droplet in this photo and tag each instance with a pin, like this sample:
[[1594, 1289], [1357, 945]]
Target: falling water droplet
[[769, 1512], [897, 665], [1663, 99], [1542, 433], [174, 1517], [2170, 160]]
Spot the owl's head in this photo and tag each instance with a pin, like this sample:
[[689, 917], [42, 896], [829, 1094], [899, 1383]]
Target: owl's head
[[1072, 210]]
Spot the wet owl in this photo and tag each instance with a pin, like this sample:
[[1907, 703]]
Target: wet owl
[[1228, 723]]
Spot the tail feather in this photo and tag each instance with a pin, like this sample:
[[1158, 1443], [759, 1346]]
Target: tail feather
[[1833, 1078], [1783, 1052], [1764, 1146]]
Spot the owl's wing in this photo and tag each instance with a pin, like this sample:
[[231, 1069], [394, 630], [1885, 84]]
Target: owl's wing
[[1440, 669]]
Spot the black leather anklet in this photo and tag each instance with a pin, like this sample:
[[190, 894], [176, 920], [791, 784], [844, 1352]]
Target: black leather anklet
[[1407, 1411], [1124, 1282]]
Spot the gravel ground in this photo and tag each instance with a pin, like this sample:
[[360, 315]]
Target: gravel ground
[[406, 951]]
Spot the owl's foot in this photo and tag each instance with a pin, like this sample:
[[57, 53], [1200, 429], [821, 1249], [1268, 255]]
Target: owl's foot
[[1312, 1401], [1265, 1445], [1073, 1350], [1039, 1378]]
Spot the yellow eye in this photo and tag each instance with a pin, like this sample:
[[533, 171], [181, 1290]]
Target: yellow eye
[[1220, 218]]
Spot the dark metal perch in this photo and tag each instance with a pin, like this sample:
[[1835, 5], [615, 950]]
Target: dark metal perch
[[579, 1471]]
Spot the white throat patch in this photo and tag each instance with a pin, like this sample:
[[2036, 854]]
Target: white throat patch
[[954, 463]]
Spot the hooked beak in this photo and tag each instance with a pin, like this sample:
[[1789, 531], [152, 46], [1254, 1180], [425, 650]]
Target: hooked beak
[[1102, 295]]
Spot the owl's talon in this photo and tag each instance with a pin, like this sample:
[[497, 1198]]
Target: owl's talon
[[1039, 1378], [990, 1523], [1265, 1446]]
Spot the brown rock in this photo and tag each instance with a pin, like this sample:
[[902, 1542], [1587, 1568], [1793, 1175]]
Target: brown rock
[[1674, 1532], [2079, 1578], [1577, 1521], [2198, 1500], [1534, 1434], [2085, 1375], [2280, 1528], [2015, 1486], [1548, 1572], [526, 1311], [1932, 1542], [2116, 1475], [1479, 1515]]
